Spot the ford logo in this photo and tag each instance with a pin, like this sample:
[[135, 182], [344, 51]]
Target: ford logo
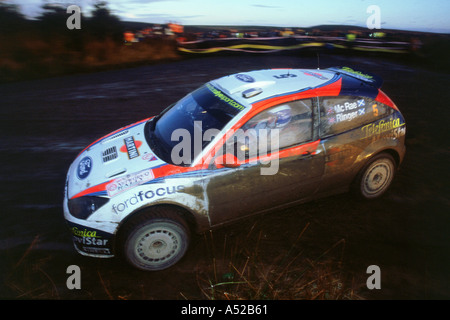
[[245, 78], [84, 168]]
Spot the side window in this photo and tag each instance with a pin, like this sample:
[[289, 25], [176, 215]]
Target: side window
[[289, 123], [339, 114]]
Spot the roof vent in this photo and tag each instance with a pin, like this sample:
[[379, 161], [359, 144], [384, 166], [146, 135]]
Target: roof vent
[[251, 92]]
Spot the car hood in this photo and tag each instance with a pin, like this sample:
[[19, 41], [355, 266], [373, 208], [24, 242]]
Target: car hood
[[118, 161]]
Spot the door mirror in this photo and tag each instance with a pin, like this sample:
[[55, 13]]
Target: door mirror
[[227, 161]]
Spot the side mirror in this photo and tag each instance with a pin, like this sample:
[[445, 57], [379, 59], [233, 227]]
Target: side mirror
[[227, 161]]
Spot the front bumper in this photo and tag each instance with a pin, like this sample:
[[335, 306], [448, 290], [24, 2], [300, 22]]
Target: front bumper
[[90, 238], [91, 242]]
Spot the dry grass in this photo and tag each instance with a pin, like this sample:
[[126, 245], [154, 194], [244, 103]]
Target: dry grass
[[107, 53], [31, 281], [33, 57], [239, 272]]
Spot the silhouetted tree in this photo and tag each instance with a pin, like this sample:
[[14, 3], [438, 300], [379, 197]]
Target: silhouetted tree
[[103, 24], [53, 19], [11, 20]]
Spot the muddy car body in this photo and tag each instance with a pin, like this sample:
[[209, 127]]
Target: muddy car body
[[141, 190]]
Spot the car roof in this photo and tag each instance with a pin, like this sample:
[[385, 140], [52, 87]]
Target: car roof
[[259, 85]]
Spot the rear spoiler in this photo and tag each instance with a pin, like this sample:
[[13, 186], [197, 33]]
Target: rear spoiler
[[366, 77]]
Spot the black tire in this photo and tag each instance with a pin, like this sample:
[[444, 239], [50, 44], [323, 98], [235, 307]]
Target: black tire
[[376, 176], [155, 240]]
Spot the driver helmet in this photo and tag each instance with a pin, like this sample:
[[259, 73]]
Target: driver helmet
[[280, 116]]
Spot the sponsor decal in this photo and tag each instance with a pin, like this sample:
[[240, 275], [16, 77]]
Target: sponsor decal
[[131, 147], [224, 98], [129, 181], [149, 157], [382, 126], [357, 74], [84, 168], [88, 237], [84, 233], [142, 196], [245, 78], [397, 132], [315, 74]]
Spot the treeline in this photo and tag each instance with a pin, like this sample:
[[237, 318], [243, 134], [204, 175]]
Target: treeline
[[45, 46]]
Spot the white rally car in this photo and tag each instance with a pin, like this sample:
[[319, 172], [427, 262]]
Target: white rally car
[[238, 145]]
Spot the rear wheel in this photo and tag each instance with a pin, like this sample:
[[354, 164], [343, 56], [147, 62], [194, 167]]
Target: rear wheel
[[156, 240], [376, 176]]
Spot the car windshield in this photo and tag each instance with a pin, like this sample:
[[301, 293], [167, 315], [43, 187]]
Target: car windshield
[[182, 131]]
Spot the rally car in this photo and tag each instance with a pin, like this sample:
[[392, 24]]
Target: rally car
[[239, 145]]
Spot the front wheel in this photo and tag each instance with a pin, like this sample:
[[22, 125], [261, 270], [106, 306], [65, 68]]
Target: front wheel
[[156, 241], [376, 177]]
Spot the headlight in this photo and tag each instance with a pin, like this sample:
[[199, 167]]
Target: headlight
[[83, 207]]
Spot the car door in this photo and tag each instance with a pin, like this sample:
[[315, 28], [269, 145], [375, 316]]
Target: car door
[[286, 169]]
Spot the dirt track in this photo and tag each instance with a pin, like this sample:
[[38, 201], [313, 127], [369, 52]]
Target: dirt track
[[45, 123]]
